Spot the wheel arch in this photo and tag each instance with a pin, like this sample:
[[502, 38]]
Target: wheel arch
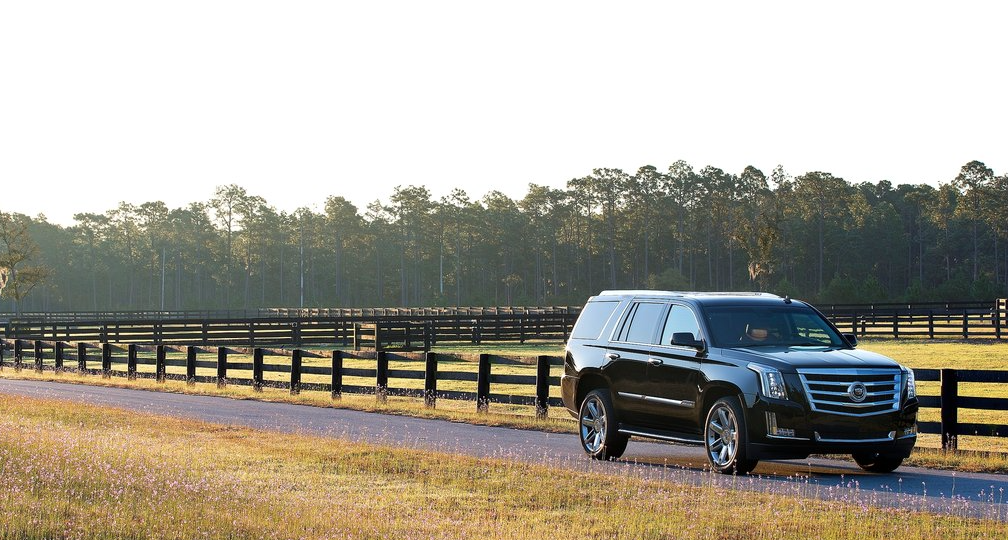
[[589, 381], [716, 391]]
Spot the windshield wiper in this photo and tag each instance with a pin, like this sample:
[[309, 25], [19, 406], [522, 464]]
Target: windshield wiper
[[810, 344]]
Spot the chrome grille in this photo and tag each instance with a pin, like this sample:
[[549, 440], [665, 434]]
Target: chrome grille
[[828, 390]]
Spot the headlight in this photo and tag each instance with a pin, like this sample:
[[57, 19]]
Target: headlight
[[771, 381], [911, 383]]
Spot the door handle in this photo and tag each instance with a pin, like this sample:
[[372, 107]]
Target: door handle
[[612, 356], [655, 361]]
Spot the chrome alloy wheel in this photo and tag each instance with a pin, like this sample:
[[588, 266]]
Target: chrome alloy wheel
[[593, 424], [722, 435]]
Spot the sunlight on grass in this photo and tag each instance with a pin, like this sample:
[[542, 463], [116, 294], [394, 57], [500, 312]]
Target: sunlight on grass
[[77, 471]]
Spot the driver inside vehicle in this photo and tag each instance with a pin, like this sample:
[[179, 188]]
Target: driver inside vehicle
[[757, 334]]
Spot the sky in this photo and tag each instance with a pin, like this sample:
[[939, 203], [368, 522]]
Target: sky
[[107, 101]]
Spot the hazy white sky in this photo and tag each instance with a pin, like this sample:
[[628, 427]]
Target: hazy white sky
[[102, 101]]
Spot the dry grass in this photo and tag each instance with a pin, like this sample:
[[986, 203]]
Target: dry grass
[[73, 471]]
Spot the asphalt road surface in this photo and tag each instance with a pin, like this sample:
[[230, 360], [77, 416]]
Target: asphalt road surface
[[980, 495]]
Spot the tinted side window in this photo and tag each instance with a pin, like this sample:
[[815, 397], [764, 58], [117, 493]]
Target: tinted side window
[[592, 319], [641, 322], [680, 319]]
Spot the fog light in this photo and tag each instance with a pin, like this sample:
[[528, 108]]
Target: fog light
[[906, 432], [775, 431]]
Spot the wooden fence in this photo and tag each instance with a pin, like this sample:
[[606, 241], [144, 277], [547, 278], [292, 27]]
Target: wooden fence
[[127, 361], [54, 355], [953, 320], [290, 313], [407, 327], [949, 402], [400, 332]]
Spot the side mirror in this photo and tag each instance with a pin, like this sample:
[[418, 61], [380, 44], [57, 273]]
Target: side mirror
[[687, 339], [851, 338]]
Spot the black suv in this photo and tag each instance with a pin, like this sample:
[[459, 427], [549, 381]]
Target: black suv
[[748, 375]]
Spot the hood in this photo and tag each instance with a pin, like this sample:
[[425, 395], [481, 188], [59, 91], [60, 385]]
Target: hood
[[788, 358]]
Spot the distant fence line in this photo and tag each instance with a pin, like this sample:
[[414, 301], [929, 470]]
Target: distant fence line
[[408, 332], [292, 313], [407, 327], [428, 368]]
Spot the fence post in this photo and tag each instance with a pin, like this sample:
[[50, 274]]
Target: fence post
[[58, 356], [38, 356], [159, 363], [997, 321], [931, 323], [965, 324], [257, 369], [483, 384], [18, 354], [336, 387], [190, 366], [3, 343], [895, 325], [106, 360], [295, 381], [430, 380], [131, 361], [854, 323], [251, 333], [381, 382], [949, 409], [222, 353], [82, 357], [542, 386]]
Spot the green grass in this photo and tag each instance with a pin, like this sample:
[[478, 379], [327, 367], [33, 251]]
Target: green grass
[[79, 471]]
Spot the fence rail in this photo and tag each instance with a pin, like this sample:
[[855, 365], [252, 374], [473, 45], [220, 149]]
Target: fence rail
[[428, 367]]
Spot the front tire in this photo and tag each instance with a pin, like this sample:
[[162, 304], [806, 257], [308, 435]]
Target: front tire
[[725, 437], [877, 462], [597, 427]]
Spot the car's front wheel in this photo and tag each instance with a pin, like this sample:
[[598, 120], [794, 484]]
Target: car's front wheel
[[725, 437], [877, 462], [598, 428]]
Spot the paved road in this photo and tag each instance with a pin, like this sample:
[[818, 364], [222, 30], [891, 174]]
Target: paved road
[[961, 493]]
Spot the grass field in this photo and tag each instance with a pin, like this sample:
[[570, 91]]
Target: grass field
[[77, 471]]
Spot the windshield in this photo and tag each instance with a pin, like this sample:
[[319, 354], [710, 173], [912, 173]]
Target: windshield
[[769, 326]]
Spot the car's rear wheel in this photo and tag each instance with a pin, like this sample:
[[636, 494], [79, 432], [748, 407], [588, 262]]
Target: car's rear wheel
[[598, 427], [877, 462], [725, 437]]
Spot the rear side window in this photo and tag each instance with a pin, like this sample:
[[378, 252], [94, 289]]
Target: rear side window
[[641, 322], [593, 319]]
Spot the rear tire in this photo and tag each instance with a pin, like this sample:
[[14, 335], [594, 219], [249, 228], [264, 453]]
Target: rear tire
[[725, 437], [597, 427], [877, 462]]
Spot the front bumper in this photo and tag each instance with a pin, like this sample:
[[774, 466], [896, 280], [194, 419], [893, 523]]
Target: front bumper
[[786, 430]]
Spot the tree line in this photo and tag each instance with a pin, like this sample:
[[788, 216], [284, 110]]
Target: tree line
[[813, 236]]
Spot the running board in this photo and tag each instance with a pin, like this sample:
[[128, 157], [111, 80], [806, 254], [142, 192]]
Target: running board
[[662, 436]]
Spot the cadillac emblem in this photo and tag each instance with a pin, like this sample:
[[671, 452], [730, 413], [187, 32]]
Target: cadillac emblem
[[857, 392]]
